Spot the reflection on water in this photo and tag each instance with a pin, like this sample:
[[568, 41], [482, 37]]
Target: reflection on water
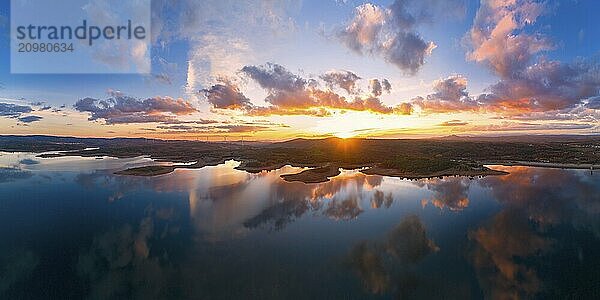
[[72, 229]]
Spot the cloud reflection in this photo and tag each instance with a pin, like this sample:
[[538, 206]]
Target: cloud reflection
[[508, 249], [450, 193], [339, 199], [385, 266]]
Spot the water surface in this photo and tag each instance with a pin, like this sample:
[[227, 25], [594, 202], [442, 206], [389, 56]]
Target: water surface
[[72, 229]]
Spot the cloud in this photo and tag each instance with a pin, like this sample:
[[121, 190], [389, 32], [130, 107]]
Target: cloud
[[275, 77], [522, 126], [233, 128], [13, 110], [449, 95], [593, 103], [404, 109], [226, 95], [29, 119], [544, 86], [498, 36], [119, 54], [502, 38], [382, 31], [378, 87], [580, 113], [290, 94], [223, 35], [391, 32], [162, 78], [454, 123], [342, 79], [124, 109]]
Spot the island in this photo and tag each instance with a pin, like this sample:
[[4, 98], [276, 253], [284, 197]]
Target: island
[[316, 175], [147, 171]]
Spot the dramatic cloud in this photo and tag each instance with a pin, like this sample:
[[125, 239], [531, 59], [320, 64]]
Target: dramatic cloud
[[404, 109], [275, 77], [226, 95], [380, 31], [124, 109], [558, 90], [449, 95], [222, 35], [498, 35], [392, 32], [501, 38], [30, 119], [544, 86], [13, 110], [378, 87], [290, 94], [342, 79]]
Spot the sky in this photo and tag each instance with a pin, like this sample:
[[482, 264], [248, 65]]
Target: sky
[[275, 70]]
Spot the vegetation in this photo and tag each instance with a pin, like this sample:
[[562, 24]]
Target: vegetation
[[453, 155], [419, 165]]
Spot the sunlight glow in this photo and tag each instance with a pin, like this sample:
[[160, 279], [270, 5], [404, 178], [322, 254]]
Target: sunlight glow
[[344, 134]]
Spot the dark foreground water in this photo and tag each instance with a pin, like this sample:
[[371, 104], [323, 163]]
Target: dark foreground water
[[69, 229]]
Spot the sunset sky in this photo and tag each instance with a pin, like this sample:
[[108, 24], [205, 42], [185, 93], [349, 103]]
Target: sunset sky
[[275, 70]]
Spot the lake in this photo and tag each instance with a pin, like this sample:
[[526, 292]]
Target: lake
[[70, 229]]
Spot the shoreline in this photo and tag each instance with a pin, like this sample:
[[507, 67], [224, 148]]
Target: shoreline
[[316, 175], [321, 174], [443, 173], [251, 166], [543, 165]]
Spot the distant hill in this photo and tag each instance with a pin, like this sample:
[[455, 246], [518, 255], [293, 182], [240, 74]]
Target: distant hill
[[523, 138]]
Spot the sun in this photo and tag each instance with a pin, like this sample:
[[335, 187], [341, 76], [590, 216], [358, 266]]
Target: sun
[[344, 134]]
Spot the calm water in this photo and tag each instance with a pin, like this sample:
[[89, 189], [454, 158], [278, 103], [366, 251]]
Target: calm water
[[71, 229]]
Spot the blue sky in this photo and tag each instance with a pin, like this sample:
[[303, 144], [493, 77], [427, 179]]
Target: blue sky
[[201, 44]]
